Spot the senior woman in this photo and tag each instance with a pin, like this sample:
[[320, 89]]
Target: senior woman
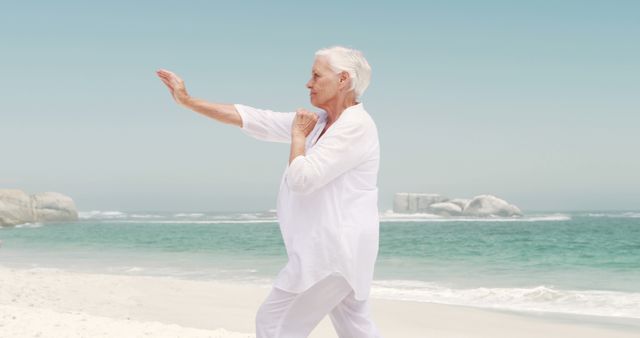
[[327, 203]]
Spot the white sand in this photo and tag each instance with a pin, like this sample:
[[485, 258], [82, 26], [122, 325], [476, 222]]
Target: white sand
[[54, 303]]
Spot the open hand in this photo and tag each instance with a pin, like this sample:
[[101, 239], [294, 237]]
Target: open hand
[[303, 123], [175, 85]]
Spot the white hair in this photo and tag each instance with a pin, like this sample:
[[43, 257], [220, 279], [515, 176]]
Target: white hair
[[342, 59]]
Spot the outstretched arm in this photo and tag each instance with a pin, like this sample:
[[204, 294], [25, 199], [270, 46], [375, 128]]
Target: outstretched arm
[[225, 113]]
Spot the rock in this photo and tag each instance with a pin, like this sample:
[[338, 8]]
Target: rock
[[479, 206], [16, 207], [53, 207], [461, 202], [401, 202], [446, 209], [406, 202], [489, 205]]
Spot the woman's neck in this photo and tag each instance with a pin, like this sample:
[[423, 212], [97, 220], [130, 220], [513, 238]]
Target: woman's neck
[[334, 110]]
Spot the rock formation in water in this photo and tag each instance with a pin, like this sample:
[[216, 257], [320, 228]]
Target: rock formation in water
[[489, 205], [415, 202], [445, 209], [479, 206], [16, 207]]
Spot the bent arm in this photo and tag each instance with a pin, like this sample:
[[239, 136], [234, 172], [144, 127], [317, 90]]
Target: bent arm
[[266, 125], [342, 148], [303, 124]]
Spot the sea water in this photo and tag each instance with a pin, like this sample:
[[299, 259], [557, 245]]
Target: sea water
[[572, 262]]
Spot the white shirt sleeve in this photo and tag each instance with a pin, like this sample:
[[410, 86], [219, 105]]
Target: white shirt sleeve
[[266, 125], [342, 148]]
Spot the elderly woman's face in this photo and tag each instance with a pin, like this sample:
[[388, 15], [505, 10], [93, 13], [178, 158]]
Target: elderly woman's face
[[323, 85]]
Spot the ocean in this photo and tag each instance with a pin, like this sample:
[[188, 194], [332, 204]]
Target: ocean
[[547, 262]]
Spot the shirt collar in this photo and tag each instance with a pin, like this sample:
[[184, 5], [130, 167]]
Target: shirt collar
[[358, 106]]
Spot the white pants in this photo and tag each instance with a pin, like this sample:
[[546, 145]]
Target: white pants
[[294, 315]]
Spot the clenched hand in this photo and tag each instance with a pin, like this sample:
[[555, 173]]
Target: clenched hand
[[303, 123]]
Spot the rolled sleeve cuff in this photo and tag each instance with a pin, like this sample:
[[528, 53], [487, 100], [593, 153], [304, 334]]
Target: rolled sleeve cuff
[[246, 117]]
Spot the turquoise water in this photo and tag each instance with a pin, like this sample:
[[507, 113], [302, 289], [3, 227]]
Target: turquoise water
[[586, 262]]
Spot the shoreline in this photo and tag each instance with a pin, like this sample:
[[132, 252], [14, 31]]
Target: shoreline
[[106, 305]]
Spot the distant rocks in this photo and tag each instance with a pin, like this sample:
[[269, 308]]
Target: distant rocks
[[445, 209], [461, 202], [489, 205], [16, 207], [479, 206], [414, 202]]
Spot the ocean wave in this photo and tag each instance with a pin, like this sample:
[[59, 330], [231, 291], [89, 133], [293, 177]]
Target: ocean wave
[[629, 214], [23, 225], [134, 269], [97, 214], [185, 217], [390, 216], [539, 299], [393, 215], [29, 225], [271, 216], [221, 221], [145, 216], [195, 214]]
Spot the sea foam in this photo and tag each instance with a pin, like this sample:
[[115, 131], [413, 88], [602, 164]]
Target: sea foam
[[539, 299], [270, 216], [390, 216], [629, 214], [97, 214]]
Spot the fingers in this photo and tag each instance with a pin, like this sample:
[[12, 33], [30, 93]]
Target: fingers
[[165, 77], [304, 122], [164, 72], [174, 84], [171, 80], [167, 83], [304, 117], [305, 113], [170, 76]]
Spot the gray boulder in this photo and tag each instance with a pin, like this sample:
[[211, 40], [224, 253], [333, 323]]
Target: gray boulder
[[488, 206], [53, 207], [406, 202], [16, 207], [461, 202], [446, 209]]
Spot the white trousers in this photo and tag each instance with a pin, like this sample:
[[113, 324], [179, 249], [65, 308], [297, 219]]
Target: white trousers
[[294, 315]]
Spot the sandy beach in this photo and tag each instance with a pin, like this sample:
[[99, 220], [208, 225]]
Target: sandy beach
[[56, 303]]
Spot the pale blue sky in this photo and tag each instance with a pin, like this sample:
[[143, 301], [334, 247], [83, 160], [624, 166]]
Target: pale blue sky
[[536, 102]]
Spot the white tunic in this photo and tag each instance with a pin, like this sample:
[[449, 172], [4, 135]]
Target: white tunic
[[328, 199]]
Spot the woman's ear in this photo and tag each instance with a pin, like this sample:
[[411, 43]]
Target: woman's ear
[[344, 77]]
